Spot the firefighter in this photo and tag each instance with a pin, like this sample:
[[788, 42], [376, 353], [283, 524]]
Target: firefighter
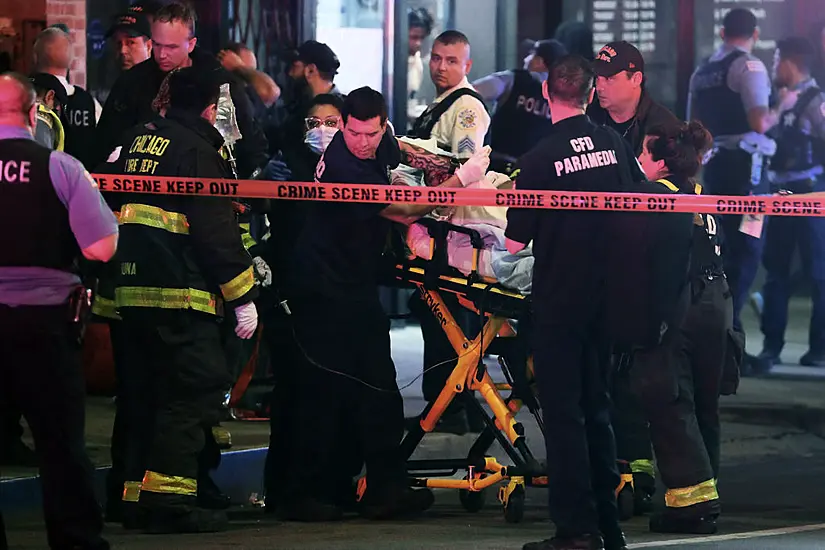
[[182, 264]]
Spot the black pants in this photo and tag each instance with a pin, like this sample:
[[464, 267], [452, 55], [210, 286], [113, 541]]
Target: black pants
[[629, 420], [351, 338], [174, 380], [120, 430], [11, 429], [571, 364], [679, 386], [42, 377], [729, 173]]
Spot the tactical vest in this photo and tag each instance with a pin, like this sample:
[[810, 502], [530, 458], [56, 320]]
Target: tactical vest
[[52, 121], [423, 125], [34, 221], [796, 151], [705, 255], [521, 121], [80, 124], [718, 107]]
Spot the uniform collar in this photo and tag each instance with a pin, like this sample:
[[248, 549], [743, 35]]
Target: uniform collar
[[463, 84], [8, 131], [726, 49], [806, 84]]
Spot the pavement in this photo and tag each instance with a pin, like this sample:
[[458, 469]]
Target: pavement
[[771, 479]]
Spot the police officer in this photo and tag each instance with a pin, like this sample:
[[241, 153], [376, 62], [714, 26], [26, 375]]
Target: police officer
[[174, 45], [53, 207], [571, 347], [52, 51], [796, 167], [342, 329], [51, 102], [458, 122], [521, 118], [679, 381], [729, 94], [182, 264]]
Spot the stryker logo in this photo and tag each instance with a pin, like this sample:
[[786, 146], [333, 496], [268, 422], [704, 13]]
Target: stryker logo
[[434, 306]]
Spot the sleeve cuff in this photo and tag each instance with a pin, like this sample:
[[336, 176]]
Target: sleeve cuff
[[239, 286]]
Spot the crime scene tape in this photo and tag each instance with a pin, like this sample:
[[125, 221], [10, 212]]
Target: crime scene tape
[[771, 205]]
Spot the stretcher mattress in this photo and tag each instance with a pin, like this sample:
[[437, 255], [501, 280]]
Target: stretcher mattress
[[494, 262]]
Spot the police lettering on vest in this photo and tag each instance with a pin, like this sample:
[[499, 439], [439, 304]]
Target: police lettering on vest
[[587, 159], [14, 171], [80, 126], [523, 119]]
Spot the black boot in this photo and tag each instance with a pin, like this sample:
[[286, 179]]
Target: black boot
[[210, 496], [643, 488], [170, 513], [812, 359], [583, 542], [395, 501], [699, 519]]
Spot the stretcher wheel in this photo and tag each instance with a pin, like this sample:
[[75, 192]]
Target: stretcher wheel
[[514, 507], [626, 503], [472, 501]]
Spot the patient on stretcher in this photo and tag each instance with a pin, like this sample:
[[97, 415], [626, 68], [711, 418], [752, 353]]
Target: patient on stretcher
[[513, 271]]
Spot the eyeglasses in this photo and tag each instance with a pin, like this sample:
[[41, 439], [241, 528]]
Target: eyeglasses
[[314, 122]]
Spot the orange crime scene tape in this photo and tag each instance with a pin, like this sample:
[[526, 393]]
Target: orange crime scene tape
[[771, 205]]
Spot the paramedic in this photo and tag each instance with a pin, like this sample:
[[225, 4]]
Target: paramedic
[[53, 207], [797, 167], [182, 265], [341, 327], [571, 352], [729, 94], [521, 118], [679, 382], [458, 122]]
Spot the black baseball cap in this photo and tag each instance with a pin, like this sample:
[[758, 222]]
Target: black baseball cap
[[549, 50], [319, 54], [46, 81], [616, 57], [739, 23], [133, 23]]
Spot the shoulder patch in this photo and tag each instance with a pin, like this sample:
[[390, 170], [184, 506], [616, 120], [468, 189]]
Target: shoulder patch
[[755, 66], [467, 119], [466, 145]]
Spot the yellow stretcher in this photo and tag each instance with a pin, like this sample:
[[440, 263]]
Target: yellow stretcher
[[501, 310]]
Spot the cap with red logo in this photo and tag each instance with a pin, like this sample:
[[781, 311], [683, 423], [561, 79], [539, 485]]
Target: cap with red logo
[[617, 57]]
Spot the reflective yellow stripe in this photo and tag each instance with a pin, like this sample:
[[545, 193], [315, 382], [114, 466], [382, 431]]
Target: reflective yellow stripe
[[668, 184], [697, 188], [222, 436], [239, 286], [166, 298], [104, 307], [154, 482], [53, 121], [131, 491], [689, 496], [247, 240], [153, 216], [643, 467], [244, 226]]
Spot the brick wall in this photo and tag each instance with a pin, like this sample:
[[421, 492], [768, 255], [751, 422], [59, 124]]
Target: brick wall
[[73, 14]]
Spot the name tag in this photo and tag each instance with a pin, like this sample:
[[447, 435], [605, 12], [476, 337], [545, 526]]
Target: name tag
[[15, 171]]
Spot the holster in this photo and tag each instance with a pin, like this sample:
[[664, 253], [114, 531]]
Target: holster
[[80, 306]]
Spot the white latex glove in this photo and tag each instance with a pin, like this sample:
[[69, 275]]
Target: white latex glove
[[475, 167], [247, 317]]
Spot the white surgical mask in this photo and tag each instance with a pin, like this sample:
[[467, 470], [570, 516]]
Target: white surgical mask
[[319, 138]]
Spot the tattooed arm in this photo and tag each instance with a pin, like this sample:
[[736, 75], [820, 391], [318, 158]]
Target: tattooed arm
[[437, 169]]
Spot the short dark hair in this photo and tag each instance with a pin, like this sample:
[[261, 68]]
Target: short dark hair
[[799, 51], [236, 47], [178, 11], [448, 38], [193, 90], [739, 23], [570, 80], [364, 104], [333, 100], [681, 146], [420, 18]]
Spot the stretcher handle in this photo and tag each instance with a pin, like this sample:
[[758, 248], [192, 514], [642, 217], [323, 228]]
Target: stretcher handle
[[440, 230]]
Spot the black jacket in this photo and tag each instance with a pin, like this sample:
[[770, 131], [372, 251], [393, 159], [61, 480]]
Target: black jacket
[[649, 115], [177, 242], [130, 104]]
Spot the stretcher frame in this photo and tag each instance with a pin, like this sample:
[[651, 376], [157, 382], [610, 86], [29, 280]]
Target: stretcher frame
[[496, 305]]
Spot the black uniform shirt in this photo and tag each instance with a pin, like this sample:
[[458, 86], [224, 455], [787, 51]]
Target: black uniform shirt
[[570, 246], [338, 252]]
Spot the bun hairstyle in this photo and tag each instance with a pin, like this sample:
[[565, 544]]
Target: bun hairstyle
[[682, 147]]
